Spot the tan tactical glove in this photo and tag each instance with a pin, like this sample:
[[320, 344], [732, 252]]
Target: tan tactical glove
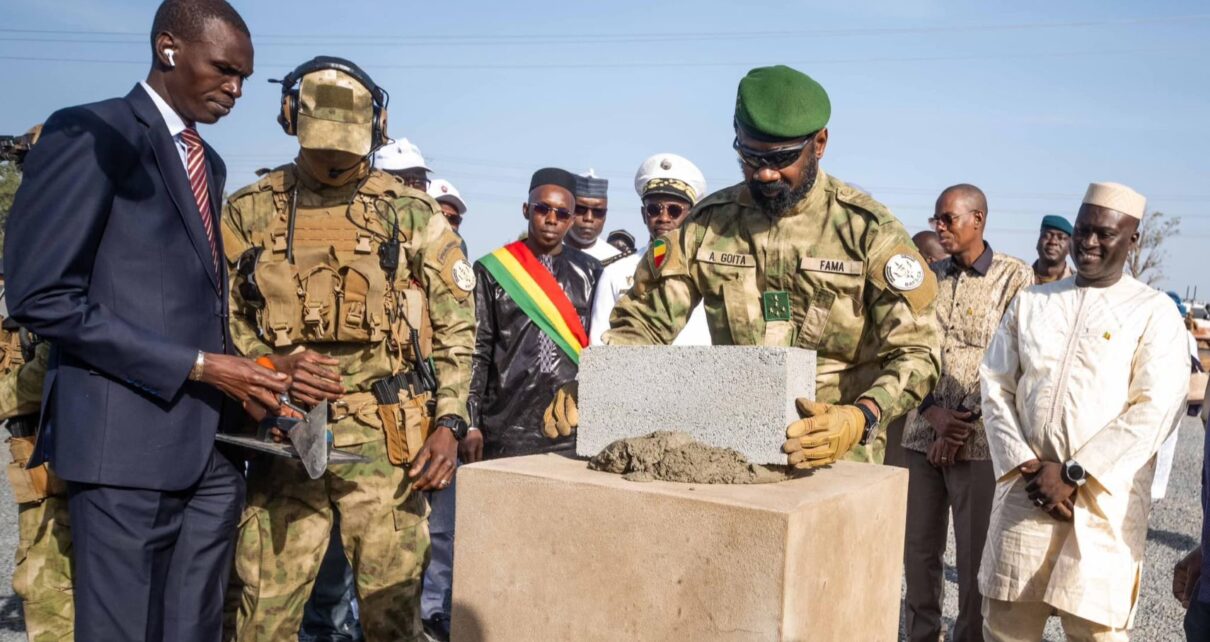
[[824, 434], [562, 415]]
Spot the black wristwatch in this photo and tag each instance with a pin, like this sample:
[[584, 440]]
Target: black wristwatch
[[871, 425], [1073, 473], [456, 424]]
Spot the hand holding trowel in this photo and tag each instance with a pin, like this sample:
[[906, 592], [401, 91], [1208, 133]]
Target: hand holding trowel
[[306, 431]]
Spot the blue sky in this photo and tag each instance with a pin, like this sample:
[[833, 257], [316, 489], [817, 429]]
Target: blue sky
[[1028, 100]]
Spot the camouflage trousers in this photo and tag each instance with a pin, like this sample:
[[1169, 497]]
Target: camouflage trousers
[[43, 571], [284, 533]]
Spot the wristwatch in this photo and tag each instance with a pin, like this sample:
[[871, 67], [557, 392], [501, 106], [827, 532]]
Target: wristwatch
[[1073, 473], [456, 424], [199, 366], [871, 425]]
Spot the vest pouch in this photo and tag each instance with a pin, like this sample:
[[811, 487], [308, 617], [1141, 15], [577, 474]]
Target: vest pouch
[[30, 484], [320, 288], [362, 314], [413, 314], [281, 318], [417, 424]]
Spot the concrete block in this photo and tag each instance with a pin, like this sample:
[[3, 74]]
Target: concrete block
[[549, 550], [739, 397]]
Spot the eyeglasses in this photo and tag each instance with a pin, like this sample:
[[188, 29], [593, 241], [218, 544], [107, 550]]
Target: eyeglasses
[[597, 212], [776, 158], [655, 209], [454, 220], [561, 213], [947, 220]]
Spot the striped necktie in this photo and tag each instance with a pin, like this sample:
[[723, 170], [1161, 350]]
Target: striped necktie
[[195, 165]]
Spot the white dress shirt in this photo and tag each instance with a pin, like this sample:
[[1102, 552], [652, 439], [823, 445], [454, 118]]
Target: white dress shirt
[[172, 119]]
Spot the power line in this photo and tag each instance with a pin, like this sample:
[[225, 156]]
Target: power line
[[545, 38], [662, 65]]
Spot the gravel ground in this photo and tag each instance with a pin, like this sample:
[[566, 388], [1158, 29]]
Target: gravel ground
[[1175, 529]]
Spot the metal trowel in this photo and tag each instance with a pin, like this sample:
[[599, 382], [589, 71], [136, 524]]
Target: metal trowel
[[309, 439]]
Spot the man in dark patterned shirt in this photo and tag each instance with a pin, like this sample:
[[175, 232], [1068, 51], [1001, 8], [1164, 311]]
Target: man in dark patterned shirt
[[945, 446]]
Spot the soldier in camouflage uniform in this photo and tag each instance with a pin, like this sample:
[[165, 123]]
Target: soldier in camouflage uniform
[[338, 270], [42, 575], [43, 572], [794, 257]]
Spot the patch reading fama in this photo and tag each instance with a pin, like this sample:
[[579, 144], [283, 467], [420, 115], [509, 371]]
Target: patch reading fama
[[904, 273], [831, 266], [464, 275], [735, 259]]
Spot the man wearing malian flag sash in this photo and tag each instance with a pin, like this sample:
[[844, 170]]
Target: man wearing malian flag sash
[[532, 300]]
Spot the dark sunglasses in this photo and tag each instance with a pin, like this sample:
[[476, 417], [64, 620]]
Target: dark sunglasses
[[948, 220], [655, 209], [597, 212], [776, 158], [561, 213], [455, 219]]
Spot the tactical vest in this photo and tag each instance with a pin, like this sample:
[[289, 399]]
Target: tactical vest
[[337, 286], [12, 352]]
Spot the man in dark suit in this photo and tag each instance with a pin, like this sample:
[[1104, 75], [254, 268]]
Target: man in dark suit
[[114, 256]]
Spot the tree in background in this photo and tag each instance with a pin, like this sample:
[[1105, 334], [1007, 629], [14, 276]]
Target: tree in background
[[1146, 260]]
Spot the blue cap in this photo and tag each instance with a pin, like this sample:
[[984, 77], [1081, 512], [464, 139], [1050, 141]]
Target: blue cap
[[1180, 305], [1054, 222]]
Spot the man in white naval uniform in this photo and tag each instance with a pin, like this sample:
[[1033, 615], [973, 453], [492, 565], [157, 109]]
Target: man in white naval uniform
[[669, 186]]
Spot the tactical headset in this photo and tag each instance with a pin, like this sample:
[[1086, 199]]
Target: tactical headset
[[288, 119]]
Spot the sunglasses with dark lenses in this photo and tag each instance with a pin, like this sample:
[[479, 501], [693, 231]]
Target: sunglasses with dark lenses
[[561, 213], [455, 219], [655, 209], [597, 212], [776, 158]]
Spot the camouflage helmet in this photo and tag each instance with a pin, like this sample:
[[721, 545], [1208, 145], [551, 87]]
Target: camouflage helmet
[[335, 112]]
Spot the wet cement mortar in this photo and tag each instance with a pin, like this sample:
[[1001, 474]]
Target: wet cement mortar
[[667, 455]]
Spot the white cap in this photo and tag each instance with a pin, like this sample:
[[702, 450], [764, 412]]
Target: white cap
[[672, 175], [1117, 197], [398, 156], [444, 192]]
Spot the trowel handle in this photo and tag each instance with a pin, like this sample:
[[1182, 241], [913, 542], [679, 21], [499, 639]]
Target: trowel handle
[[284, 399]]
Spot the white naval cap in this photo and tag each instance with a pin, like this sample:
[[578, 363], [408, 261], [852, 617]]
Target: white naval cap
[[399, 155], [670, 174], [444, 192]]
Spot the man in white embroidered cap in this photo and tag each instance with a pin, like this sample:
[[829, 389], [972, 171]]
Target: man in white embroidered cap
[[1082, 382]]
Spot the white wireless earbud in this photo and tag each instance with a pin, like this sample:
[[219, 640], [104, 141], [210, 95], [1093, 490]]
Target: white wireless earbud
[[171, 57]]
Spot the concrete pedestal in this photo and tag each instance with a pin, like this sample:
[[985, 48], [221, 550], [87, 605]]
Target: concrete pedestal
[[549, 550]]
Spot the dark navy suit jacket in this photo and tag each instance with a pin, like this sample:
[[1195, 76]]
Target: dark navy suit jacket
[[107, 258]]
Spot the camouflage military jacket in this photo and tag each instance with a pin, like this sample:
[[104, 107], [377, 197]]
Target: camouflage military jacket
[[430, 258], [838, 275]]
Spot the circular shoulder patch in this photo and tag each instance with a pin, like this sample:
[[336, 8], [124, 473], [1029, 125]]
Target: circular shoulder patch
[[904, 273], [464, 275]]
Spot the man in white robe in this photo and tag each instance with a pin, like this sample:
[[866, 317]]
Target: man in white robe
[[1083, 381], [669, 186]]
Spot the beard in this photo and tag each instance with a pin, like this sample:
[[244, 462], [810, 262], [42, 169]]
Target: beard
[[777, 198]]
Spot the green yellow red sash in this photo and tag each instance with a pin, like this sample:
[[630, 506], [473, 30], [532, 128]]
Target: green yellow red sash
[[538, 295]]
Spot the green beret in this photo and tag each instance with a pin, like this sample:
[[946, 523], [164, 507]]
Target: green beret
[[1055, 222], [781, 103]]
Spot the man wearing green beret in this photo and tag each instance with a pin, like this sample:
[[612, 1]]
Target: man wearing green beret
[[794, 257], [1054, 244]]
